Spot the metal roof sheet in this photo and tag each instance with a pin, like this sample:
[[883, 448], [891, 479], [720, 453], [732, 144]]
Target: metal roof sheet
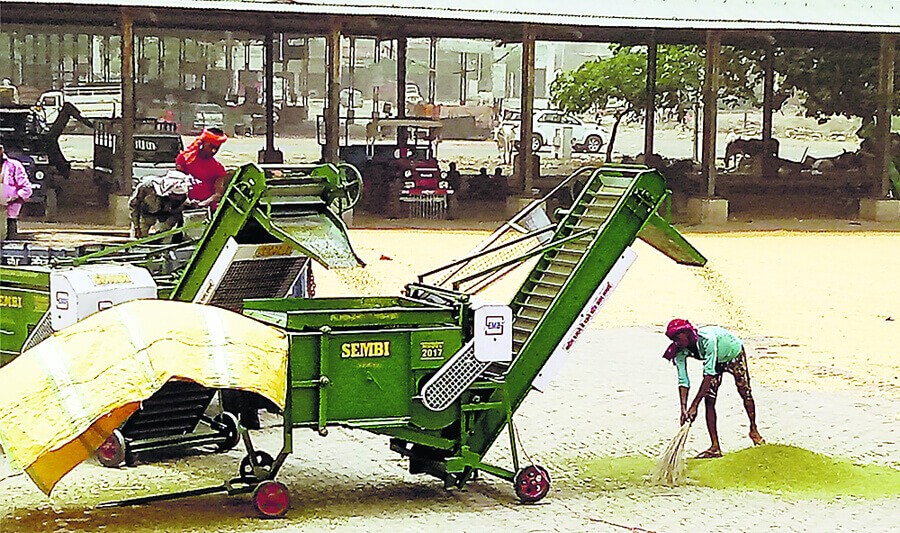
[[881, 16]]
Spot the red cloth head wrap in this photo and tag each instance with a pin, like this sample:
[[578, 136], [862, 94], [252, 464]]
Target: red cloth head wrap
[[679, 325], [670, 353], [205, 138]]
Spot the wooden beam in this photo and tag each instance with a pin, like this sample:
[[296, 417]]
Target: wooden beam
[[126, 25], [402, 46], [269, 68], [432, 70], [332, 89], [710, 92], [768, 94], [885, 108], [526, 163], [650, 111]]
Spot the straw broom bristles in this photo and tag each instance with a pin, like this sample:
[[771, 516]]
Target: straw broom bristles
[[671, 466]]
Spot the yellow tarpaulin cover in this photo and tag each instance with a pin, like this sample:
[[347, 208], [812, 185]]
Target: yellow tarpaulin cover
[[61, 399]]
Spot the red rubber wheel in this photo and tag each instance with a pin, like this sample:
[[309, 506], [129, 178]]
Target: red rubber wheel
[[111, 453], [532, 483], [271, 499]]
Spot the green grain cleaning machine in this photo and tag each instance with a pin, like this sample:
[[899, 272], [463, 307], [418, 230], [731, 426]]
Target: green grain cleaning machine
[[271, 221], [442, 376]]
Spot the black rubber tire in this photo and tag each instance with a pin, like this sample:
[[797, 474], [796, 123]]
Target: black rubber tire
[[593, 144], [263, 460], [230, 431]]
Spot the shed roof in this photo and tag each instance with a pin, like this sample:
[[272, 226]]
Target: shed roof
[[673, 20]]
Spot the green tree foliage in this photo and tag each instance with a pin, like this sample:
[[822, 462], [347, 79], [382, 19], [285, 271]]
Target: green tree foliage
[[621, 79], [831, 81]]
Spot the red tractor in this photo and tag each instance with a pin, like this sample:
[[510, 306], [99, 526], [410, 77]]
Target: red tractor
[[404, 179]]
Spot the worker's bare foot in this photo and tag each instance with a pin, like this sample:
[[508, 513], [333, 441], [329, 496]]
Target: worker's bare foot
[[710, 453], [756, 438]]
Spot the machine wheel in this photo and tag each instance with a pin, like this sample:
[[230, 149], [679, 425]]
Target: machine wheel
[[537, 142], [532, 483], [351, 188], [112, 452], [263, 460], [593, 144], [271, 499], [229, 431]]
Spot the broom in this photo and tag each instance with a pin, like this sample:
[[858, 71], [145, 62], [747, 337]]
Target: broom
[[671, 466]]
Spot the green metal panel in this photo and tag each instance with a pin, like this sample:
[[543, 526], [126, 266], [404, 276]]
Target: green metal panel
[[253, 211], [644, 192], [24, 299], [369, 375], [659, 234], [383, 312]]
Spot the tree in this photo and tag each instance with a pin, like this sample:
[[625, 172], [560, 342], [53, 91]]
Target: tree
[[833, 81], [593, 85], [679, 79]]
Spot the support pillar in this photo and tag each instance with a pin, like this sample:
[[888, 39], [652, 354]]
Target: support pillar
[[650, 112], [710, 210], [128, 103], [332, 89], [710, 91], [270, 154], [886, 206], [885, 109], [351, 73], [432, 70], [401, 89], [768, 164], [525, 179]]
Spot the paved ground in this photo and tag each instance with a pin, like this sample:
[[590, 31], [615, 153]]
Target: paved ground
[[615, 397]]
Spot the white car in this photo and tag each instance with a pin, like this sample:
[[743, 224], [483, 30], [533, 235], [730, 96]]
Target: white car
[[586, 136]]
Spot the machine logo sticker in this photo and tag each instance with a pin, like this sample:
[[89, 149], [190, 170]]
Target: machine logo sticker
[[493, 325], [11, 301], [350, 350], [110, 279], [432, 350]]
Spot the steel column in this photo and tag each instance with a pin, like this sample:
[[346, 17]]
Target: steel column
[[401, 77], [351, 72], [333, 90], [401, 88], [768, 93], [526, 166], [885, 109], [128, 104], [650, 110], [270, 91], [710, 90], [432, 70]]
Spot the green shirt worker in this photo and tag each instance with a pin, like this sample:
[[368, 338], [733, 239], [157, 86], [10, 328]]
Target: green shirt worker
[[720, 351]]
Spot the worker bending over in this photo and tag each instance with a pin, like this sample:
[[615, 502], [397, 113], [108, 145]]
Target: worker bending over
[[720, 351], [159, 199]]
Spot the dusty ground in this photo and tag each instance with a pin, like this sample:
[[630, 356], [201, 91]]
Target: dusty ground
[[820, 311]]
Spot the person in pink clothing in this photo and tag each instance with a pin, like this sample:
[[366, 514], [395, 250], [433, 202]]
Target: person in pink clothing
[[16, 191], [198, 160]]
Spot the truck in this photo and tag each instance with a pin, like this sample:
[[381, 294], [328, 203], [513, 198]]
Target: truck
[[27, 137], [102, 100]]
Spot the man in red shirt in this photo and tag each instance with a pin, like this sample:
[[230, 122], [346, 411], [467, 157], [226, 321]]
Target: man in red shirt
[[199, 161]]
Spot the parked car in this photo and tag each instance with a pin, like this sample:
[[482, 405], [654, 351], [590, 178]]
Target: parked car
[[413, 96], [207, 116], [586, 136]]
